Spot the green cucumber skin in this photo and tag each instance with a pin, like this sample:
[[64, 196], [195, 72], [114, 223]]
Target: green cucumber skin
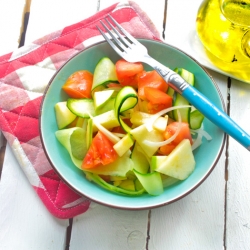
[[104, 73], [179, 100], [81, 107], [185, 112], [151, 182], [99, 181], [196, 119]]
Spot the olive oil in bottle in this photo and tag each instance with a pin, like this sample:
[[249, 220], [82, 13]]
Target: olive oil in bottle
[[223, 27]]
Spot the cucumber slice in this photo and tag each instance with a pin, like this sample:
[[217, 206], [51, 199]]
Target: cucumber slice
[[78, 144], [104, 73], [196, 119], [186, 75], [151, 182], [184, 112], [81, 107], [99, 181], [168, 180], [73, 139], [180, 100], [171, 92], [141, 163]]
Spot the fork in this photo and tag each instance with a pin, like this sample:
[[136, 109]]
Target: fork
[[132, 50]]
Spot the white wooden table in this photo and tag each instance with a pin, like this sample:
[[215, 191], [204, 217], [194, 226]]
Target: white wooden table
[[215, 216]]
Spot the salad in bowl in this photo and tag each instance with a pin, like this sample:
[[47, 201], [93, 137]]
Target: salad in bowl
[[118, 134]]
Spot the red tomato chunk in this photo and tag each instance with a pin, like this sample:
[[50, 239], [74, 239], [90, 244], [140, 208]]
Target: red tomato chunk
[[127, 72], [101, 152], [169, 132], [150, 79], [79, 84]]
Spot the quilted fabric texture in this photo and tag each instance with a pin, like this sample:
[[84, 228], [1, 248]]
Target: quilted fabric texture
[[24, 75]]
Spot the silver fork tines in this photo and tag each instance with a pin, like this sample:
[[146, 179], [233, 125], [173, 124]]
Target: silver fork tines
[[124, 44]]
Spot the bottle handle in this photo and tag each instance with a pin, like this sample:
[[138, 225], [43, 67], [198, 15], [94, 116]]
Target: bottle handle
[[245, 43]]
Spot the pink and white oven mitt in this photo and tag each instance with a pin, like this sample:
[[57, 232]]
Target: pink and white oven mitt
[[24, 75]]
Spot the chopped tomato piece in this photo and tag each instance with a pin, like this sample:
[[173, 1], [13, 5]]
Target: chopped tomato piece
[[170, 131], [118, 129], [167, 149], [101, 152], [127, 72], [105, 177], [79, 84], [158, 100], [156, 96], [155, 108], [150, 79], [183, 134], [114, 85]]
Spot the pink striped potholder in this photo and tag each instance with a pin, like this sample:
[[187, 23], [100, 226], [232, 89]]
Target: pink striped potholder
[[24, 75]]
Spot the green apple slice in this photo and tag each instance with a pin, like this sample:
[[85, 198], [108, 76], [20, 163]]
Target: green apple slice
[[63, 115], [180, 163], [101, 98]]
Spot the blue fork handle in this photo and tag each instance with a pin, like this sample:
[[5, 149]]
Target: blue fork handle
[[200, 102], [217, 116]]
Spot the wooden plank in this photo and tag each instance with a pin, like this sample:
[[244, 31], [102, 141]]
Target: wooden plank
[[11, 24], [156, 14], [238, 185], [106, 228], [197, 221], [10, 30], [25, 222], [48, 16], [24, 214]]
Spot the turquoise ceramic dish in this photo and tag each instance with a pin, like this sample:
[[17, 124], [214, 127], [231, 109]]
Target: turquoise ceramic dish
[[206, 156]]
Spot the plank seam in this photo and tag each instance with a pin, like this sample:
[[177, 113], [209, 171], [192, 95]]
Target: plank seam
[[226, 167]]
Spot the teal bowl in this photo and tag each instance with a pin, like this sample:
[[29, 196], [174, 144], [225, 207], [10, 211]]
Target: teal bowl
[[206, 156]]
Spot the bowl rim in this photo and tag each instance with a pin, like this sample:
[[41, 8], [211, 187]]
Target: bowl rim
[[219, 153]]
